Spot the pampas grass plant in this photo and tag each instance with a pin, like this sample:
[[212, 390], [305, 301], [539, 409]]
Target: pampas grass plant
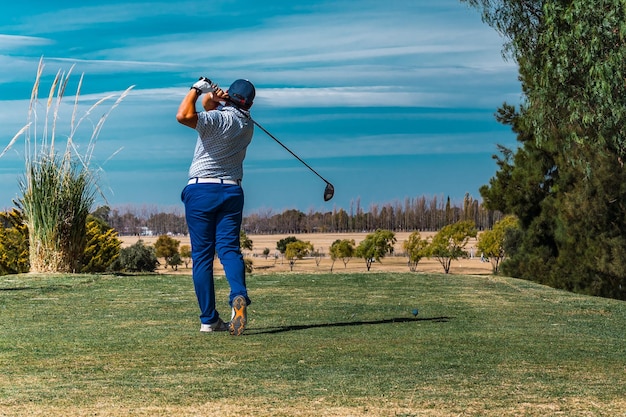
[[58, 188]]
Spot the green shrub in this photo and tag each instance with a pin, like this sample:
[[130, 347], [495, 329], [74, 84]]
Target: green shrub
[[13, 243], [102, 248], [136, 258]]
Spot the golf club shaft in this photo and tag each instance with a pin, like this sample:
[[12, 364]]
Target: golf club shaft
[[289, 150]]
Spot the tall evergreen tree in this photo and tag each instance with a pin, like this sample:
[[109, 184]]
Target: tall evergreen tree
[[565, 182]]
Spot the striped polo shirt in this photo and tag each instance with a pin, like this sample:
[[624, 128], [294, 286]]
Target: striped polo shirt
[[223, 136]]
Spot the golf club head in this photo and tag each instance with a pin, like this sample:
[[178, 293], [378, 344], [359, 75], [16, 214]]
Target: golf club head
[[329, 191]]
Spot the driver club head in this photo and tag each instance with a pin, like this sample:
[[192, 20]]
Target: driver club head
[[329, 191]]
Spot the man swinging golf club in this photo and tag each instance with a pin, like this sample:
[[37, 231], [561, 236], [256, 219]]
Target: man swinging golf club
[[213, 196]]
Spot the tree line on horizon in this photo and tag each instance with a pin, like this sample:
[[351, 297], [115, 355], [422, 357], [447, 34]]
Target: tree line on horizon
[[421, 213]]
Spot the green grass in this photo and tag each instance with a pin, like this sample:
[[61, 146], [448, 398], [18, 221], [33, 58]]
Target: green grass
[[316, 345]]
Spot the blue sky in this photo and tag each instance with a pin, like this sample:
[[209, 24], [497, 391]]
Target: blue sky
[[387, 100]]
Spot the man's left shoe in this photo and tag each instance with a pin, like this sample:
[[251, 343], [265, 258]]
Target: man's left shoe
[[218, 326], [240, 317]]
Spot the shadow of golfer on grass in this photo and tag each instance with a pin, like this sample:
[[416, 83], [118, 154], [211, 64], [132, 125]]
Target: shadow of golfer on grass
[[282, 329]]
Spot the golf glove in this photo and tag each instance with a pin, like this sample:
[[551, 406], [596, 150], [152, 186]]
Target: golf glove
[[203, 86]]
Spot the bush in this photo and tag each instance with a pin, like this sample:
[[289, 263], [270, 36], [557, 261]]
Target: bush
[[103, 246], [13, 243], [136, 258]]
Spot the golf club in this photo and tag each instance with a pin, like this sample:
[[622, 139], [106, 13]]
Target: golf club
[[329, 191]]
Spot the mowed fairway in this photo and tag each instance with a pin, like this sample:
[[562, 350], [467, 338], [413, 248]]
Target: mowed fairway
[[317, 345]]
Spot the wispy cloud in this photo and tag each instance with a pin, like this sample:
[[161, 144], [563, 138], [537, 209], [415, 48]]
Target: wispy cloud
[[74, 18], [15, 42], [323, 38]]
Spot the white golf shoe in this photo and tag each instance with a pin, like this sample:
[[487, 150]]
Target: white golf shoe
[[218, 326]]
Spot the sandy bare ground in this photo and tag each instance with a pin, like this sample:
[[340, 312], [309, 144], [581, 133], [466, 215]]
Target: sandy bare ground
[[321, 241]]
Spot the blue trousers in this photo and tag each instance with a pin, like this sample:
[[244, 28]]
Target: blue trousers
[[214, 213]]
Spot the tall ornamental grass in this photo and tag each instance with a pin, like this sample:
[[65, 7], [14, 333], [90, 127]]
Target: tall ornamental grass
[[57, 195], [58, 187]]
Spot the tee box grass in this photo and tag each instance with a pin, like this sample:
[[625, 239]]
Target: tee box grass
[[316, 345]]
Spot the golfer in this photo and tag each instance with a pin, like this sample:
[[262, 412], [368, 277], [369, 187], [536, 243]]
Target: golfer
[[213, 197]]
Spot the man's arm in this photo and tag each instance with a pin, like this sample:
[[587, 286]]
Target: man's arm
[[187, 114], [212, 100]]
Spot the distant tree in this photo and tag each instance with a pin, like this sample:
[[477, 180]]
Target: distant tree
[[447, 245], [266, 252], [297, 250], [248, 265], [166, 247], [244, 241], [281, 245], [317, 255], [492, 242], [103, 213], [376, 246], [175, 261], [343, 249], [185, 254], [292, 220], [102, 248], [415, 248], [127, 224], [166, 223]]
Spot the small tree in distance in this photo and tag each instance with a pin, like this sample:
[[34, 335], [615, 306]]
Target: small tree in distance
[[492, 242], [415, 248], [318, 254], [343, 249], [297, 250], [244, 241], [175, 261], [281, 245], [447, 245], [167, 247], [375, 246], [185, 254]]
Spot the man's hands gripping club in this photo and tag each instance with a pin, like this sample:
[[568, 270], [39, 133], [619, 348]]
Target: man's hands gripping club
[[213, 94], [204, 85], [212, 97]]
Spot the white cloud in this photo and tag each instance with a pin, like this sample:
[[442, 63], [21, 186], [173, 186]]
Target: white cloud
[[15, 42], [64, 19]]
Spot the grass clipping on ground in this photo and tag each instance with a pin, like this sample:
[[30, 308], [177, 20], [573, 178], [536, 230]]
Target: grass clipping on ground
[[316, 345]]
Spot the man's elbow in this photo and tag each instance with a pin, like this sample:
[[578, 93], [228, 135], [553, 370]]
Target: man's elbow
[[181, 117], [186, 119]]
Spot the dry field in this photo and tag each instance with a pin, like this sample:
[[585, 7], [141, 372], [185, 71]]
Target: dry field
[[321, 242]]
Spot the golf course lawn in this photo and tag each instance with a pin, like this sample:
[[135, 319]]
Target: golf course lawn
[[340, 344]]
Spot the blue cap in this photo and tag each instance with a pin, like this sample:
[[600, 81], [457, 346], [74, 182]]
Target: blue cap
[[241, 93]]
